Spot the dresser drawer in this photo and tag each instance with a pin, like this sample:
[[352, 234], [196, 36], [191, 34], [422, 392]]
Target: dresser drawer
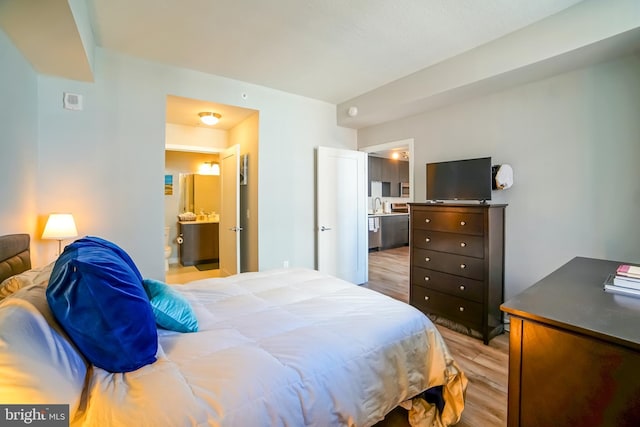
[[461, 244], [449, 263], [433, 302], [457, 286], [449, 221]]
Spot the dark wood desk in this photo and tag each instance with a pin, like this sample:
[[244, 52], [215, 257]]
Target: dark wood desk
[[574, 351]]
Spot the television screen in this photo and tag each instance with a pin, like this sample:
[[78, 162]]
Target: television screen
[[459, 180]]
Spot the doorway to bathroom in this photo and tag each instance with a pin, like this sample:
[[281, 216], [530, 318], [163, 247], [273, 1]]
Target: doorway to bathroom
[[194, 153]]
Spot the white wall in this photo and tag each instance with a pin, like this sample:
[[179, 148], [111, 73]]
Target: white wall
[[106, 163], [574, 143], [18, 145], [193, 138]]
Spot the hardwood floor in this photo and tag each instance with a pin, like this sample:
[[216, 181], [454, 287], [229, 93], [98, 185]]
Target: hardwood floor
[[389, 272], [486, 366], [178, 274]]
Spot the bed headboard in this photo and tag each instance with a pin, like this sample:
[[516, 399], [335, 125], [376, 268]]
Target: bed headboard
[[15, 256]]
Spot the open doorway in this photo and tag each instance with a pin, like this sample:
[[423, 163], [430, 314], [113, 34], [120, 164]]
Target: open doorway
[[391, 188], [198, 147]]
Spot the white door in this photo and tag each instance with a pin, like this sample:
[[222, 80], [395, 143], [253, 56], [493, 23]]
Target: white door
[[341, 211], [229, 227]]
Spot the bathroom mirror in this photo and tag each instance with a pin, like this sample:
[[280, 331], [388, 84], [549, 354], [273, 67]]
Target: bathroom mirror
[[199, 193]]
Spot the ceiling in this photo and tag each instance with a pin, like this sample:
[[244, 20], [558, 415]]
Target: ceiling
[[184, 111], [331, 50], [388, 59]]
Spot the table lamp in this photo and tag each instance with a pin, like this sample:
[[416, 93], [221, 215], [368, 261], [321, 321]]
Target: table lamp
[[60, 226]]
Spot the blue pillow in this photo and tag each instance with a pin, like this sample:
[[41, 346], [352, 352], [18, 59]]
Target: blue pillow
[[96, 294], [171, 309]]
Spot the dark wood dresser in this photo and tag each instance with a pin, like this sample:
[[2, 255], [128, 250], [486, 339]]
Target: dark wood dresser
[[457, 265], [574, 351]]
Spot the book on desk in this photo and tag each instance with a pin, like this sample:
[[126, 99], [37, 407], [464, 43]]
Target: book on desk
[[625, 281]]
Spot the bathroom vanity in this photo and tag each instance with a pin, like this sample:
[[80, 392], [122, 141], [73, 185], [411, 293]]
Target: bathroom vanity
[[200, 242]]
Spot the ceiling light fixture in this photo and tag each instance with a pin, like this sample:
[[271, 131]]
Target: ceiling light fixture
[[209, 118]]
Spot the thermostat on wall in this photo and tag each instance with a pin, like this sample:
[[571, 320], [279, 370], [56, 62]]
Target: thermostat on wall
[[72, 101]]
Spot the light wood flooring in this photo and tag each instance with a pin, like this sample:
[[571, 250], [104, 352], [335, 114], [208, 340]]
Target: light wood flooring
[[486, 366], [178, 275]]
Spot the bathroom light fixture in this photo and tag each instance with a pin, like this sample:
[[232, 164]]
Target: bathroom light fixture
[[60, 226], [209, 118], [209, 168]]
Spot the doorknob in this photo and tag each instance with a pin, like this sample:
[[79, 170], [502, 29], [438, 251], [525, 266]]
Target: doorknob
[[235, 229], [323, 228]]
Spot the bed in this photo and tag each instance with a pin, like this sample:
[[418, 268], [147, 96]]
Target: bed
[[287, 347]]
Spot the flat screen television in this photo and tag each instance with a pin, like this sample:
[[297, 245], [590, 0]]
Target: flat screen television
[[468, 179]]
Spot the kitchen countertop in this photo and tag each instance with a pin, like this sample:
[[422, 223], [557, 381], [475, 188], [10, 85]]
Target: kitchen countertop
[[199, 221]]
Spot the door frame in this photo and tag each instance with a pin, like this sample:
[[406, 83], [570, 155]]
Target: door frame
[[409, 142]]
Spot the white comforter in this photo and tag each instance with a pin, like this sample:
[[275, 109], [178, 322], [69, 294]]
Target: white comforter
[[287, 347]]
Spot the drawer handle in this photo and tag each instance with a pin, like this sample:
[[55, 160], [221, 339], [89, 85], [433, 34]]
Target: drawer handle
[[426, 298], [462, 288], [463, 245], [463, 266], [427, 259], [427, 240], [463, 223], [426, 278], [461, 308], [427, 220]]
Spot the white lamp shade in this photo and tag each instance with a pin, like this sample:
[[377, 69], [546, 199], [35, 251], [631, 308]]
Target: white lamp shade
[[60, 226]]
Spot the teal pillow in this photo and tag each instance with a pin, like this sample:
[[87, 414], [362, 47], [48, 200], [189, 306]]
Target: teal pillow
[[171, 310]]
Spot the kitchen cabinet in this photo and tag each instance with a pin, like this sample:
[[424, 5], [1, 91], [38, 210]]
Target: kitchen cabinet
[[394, 231], [390, 172], [375, 170], [403, 171]]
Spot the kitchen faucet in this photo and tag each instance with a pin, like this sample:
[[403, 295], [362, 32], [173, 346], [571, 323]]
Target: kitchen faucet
[[375, 204]]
